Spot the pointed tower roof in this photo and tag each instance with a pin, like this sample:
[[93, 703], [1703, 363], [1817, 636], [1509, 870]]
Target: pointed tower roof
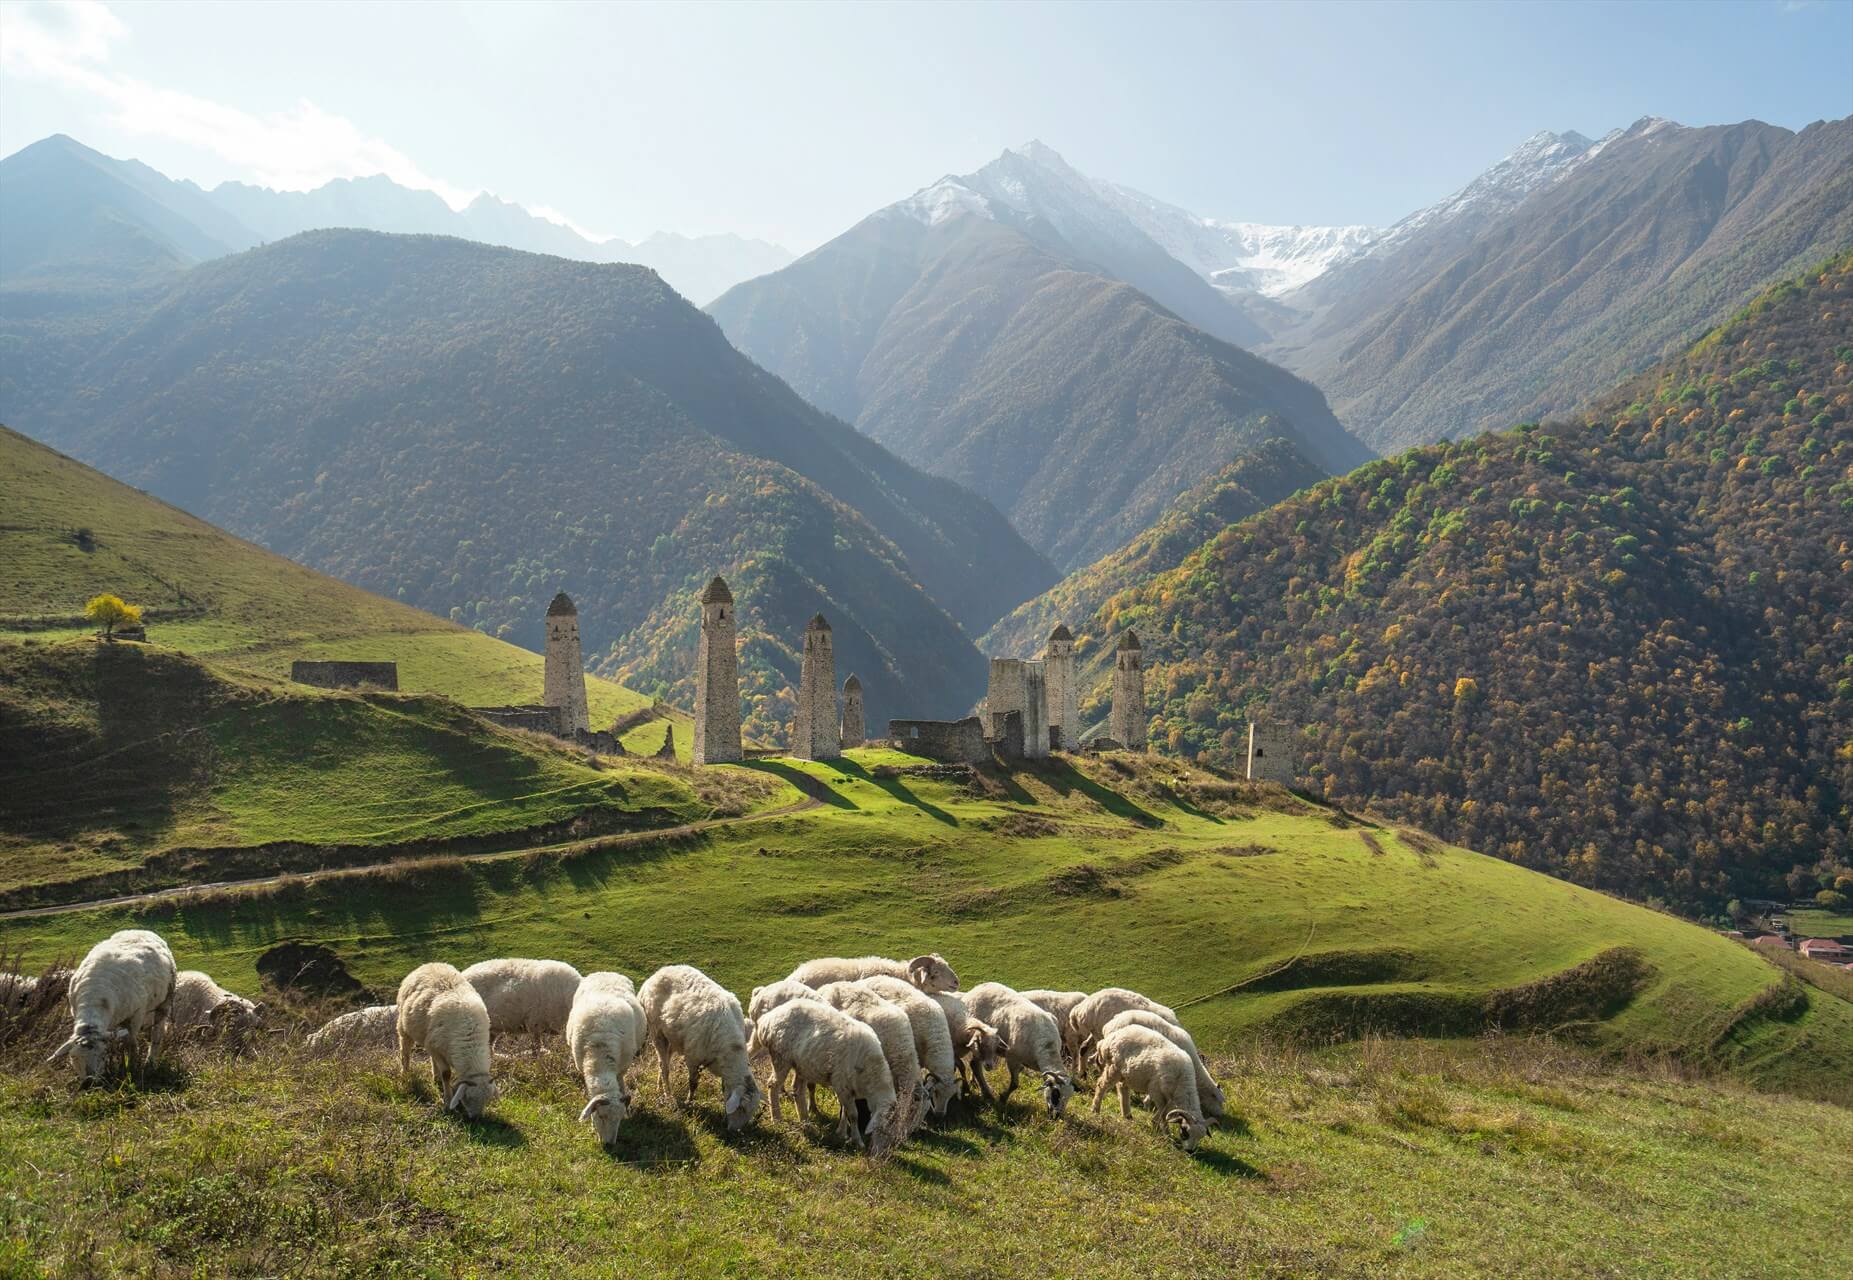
[[852, 685], [716, 592], [1129, 641], [1061, 632], [817, 623], [562, 604]]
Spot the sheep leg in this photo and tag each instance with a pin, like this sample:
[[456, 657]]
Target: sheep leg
[[1009, 1089], [662, 1065], [156, 1029], [778, 1087], [1100, 1091], [694, 1079], [801, 1096], [405, 1053], [1125, 1100]]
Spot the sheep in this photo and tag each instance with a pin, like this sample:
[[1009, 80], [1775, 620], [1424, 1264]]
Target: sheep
[[200, 1004], [824, 1046], [975, 1042], [767, 998], [930, 973], [1092, 1015], [1030, 1040], [895, 1030], [525, 995], [1138, 1059], [121, 992], [932, 1038], [691, 1014], [1059, 1005], [442, 1014], [1208, 1091], [375, 1027], [605, 1032]]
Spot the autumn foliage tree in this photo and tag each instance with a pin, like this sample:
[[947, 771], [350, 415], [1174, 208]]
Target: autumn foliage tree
[[110, 612]]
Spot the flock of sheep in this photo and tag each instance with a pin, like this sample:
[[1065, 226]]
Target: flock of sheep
[[895, 1041]]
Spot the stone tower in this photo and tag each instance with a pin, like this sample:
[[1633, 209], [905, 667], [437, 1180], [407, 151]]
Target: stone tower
[[1064, 692], [814, 733], [1018, 686], [564, 684], [1127, 723], [717, 680], [855, 732], [1271, 753]]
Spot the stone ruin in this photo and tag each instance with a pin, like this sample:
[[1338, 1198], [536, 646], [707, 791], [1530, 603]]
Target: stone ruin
[[1272, 753], [346, 675], [954, 741], [1032, 705]]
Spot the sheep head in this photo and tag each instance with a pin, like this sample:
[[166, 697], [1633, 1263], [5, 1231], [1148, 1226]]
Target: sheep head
[[932, 974], [984, 1045], [93, 1048], [941, 1093], [471, 1095], [1057, 1089], [606, 1112], [1190, 1129], [743, 1103]]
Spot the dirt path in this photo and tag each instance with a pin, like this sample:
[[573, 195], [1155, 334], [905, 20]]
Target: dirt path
[[596, 844]]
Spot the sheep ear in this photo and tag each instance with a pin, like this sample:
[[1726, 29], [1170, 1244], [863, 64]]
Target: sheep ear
[[123, 1033], [63, 1051], [735, 1098], [590, 1107], [456, 1098]]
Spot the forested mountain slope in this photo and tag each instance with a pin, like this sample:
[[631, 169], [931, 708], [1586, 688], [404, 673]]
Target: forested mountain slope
[[1613, 647], [1614, 259], [472, 429]]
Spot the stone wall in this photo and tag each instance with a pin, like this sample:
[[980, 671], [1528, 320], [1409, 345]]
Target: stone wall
[[1273, 753], [346, 675], [954, 741], [535, 719]]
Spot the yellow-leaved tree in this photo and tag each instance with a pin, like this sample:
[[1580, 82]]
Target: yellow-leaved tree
[[110, 612]]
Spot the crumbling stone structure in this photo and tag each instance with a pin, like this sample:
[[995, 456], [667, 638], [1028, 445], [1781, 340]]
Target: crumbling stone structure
[[535, 719], [345, 675], [1064, 691], [668, 750], [814, 732], [564, 683], [1017, 687], [717, 680], [854, 731], [1272, 754], [1126, 724], [954, 741]]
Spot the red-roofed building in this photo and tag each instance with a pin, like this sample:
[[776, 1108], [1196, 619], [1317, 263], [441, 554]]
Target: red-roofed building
[[1770, 940], [1826, 949]]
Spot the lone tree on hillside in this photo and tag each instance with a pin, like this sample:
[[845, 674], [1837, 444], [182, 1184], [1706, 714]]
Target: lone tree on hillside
[[109, 612]]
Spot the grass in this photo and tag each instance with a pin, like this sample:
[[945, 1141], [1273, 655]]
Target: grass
[[1512, 1157], [68, 533], [1814, 922]]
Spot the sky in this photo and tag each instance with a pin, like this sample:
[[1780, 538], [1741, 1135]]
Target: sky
[[790, 122]]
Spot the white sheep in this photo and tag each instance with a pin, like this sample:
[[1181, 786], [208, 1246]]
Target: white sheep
[[895, 1030], [691, 1014], [375, 1027], [974, 1041], [442, 1014], [200, 1004], [605, 1032], [1138, 1059], [769, 997], [932, 1038], [525, 995], [1059, 1004], [16, 991], [1031, 1041], [121, 992], [823, 1046], [1209, 1093], [1091, 1016], [930, 973]]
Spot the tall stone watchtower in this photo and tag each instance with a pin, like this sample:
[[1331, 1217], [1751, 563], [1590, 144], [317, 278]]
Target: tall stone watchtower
[[814, 734], [855, 730], [564, 684], [1126, 725], [717, 680], [1064, 692], [1272, 753]]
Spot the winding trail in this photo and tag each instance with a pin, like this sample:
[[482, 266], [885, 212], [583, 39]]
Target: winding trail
[[598, 844]]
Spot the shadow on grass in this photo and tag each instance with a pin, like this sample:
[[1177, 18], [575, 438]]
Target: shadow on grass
[[492, 1131], [919, 1172], [804, 782], [1227, 1165], [898, 789], [1067, 780], [654, 1142]]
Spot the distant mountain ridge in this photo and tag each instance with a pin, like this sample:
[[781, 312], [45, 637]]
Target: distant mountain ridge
[[192, 224]]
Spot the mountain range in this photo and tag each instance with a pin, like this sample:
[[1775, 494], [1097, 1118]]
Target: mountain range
[[127, 218], [471, 428]]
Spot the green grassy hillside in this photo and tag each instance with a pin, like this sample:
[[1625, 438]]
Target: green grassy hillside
[[68, 532]]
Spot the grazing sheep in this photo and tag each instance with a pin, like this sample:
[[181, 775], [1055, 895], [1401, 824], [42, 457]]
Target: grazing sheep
[[932, 1038], [895, 1030], [200, 1004], [375, 1027], [1031, 1041], [823, 1046], [441, 1013], [525, 995], [930, 973], [605, 1032], [974, 1041], [1059, 1004], [767, 998], [691, 1014], [1209, 1093], [1091, 1016], [1139, 1060], [121, 992]]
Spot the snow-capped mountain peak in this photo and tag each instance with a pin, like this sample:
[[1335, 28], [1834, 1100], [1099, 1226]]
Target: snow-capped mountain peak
[[947, 198]]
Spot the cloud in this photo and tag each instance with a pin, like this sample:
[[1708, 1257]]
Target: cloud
[[69, 42]]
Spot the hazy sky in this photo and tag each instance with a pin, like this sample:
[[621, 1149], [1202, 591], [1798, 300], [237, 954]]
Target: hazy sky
[[791, 121]]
